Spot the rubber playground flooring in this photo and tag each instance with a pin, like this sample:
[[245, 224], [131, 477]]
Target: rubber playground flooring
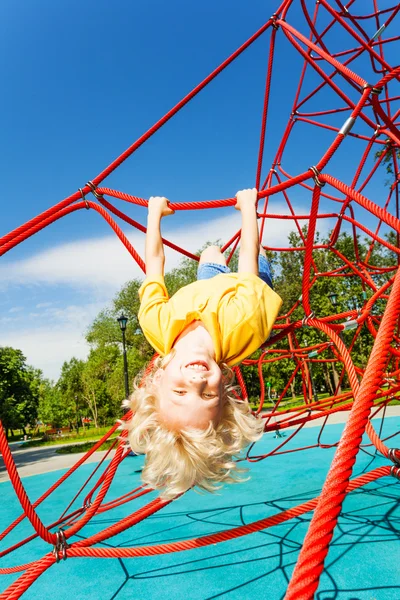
[[362, 563]]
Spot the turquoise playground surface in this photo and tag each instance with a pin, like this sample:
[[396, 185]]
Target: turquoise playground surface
[[362, 564]]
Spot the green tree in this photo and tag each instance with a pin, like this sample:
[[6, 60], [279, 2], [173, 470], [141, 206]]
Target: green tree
[[52, 409], [392, 154], [70, 386], [19, 386], [98, 371]]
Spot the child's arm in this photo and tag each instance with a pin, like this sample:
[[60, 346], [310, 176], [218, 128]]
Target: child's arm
[[154, 252], [246, 202]]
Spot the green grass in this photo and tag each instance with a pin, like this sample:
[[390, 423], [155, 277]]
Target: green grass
[[299, 401], [286, 403], [89, 435], [84, 447]]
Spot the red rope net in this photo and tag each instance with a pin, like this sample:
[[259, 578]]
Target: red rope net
[[354, 102]]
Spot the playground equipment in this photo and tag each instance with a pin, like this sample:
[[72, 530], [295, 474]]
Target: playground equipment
[[355, 103]]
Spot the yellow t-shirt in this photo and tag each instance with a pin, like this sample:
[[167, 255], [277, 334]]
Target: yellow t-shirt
[[238, 311]]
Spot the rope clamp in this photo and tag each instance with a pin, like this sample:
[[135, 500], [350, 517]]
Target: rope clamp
[[352, 324], [84, 199], [60, 547], [94, 190], [305, 319], [379, 32], [395, 472], [392, 454], [317, 182], [274, 23], [347, 126], [374, 89]]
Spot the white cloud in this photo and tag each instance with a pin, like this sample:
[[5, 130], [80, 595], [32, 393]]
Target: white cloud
[[54, 333], [48, 348], [105, 264], [61, 336], [15, 309]]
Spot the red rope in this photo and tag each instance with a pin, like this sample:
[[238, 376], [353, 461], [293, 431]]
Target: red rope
[[374, 117]]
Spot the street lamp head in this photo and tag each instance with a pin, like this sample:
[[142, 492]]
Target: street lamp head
[[333, 297], [122, 320]]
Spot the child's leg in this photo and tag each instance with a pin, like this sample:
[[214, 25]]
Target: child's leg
[[212, 262], [264, 270], [212, 254]]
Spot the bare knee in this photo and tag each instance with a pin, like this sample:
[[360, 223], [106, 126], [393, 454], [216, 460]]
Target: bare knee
[[212, 254]]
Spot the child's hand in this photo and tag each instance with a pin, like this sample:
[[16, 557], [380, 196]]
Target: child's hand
[[160, 206], [246, 198]]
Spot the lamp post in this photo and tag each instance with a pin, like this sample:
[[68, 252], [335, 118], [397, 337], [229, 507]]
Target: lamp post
[[78, 414], [122, 320], [333, 296]]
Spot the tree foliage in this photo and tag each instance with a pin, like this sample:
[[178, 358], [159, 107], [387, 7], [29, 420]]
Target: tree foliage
[[95, 387], [19, 390]]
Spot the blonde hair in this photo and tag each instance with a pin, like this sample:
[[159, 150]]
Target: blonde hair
[[178, 460]]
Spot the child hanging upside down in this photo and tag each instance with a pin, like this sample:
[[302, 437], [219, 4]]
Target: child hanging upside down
[[187, 419]]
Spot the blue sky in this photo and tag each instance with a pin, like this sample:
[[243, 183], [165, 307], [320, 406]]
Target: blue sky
[[83, 81]]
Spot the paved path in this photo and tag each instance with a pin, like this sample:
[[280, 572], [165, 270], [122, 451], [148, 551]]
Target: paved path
[[34, 461]]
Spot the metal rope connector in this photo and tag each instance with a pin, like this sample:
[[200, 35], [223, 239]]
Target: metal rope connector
[[305, 319], [379, 32], [316, 177], [347, 126], [352, 324], [274, 23], [84, 199], [395, 472], [60, 547], [94, 190], [374, 90], [394, 455]]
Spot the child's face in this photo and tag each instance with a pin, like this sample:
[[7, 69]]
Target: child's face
[[190, 391]]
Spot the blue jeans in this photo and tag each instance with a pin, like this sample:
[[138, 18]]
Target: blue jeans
[[208, 270]]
